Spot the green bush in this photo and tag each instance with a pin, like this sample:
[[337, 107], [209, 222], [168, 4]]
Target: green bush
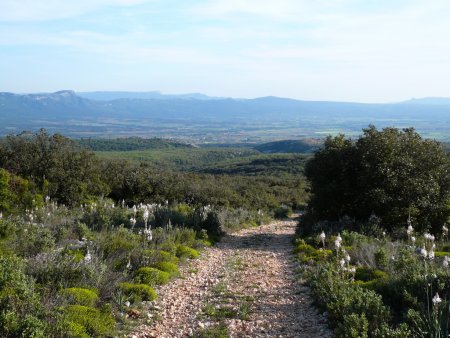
[[168, 267], [282, 211], [80, 296], [307, 253], [160, 256], [84, 321], [152, 276], [138, 292], [353, 325], [20, 306], [343, 298], [184, 251], [382, 258], [367, 274]]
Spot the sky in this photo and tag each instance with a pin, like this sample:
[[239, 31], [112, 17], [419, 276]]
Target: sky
[[342, 50]]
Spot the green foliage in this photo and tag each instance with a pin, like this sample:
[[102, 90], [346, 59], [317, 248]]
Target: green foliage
[[353, 325], [342, 298], [283, 211], [168, 267], [392, 173], [153, 256], [382, 258], [81, 296], [215, 331], [72, 174], [151, 276], [85, 321], [19, 302], [366, 274], [307, 253], [138, 292], [130, 143], [184, 251]]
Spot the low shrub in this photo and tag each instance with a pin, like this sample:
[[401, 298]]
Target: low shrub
[[138, 292], [307, 253], [85, 321], [184, 251], [367, 274], [168, 267], [20, 306], [151, 276], [81, 296], [282, 211]]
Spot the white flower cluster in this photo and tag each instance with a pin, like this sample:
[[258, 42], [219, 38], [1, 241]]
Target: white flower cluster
[[436, 299], [446, 261], [337, 242]]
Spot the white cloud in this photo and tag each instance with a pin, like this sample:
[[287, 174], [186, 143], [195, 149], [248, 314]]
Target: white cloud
[[42, 10]]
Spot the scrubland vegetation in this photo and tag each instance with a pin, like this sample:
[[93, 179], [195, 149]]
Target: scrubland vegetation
[[374, 240], [84, 240]]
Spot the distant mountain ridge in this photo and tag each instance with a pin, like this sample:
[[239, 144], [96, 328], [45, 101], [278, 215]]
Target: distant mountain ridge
[[115, 95], [197, 116]]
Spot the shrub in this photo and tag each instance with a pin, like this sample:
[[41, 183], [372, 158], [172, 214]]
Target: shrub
[[80, 296], [152, 276], [84, 321], [138, 292], [168, 267], [153, 256], [343, 298], [184, 251], [19, 303], [353, 325], [282, 211], [382, 258], [307, 253], [366, 274]]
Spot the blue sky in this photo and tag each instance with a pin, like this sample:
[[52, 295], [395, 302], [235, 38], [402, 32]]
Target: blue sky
[[346, 50]]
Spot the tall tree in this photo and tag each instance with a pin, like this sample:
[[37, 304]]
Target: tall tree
[[391, 173]]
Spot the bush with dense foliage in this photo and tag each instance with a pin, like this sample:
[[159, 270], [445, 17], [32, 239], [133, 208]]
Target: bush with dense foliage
[[375, 287], [393, 174]]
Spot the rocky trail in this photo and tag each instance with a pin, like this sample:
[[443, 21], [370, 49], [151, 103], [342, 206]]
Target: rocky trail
[[245, 286]]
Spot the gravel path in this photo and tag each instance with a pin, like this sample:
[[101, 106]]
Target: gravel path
[[246, 284]]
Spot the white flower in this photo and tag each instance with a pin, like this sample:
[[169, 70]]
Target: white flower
[[342, 263], [146, 214], [148, 234], [88, 257], [337, 244], [322, 236], [436, 299], [423, 252], [127, 304], [431, 255], [409, 230], [347, 258], [339, 238], [446, 261], [413, 239], [444, 229]]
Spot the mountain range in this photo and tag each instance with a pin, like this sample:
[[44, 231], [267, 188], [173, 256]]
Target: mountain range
[[108, 113]]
